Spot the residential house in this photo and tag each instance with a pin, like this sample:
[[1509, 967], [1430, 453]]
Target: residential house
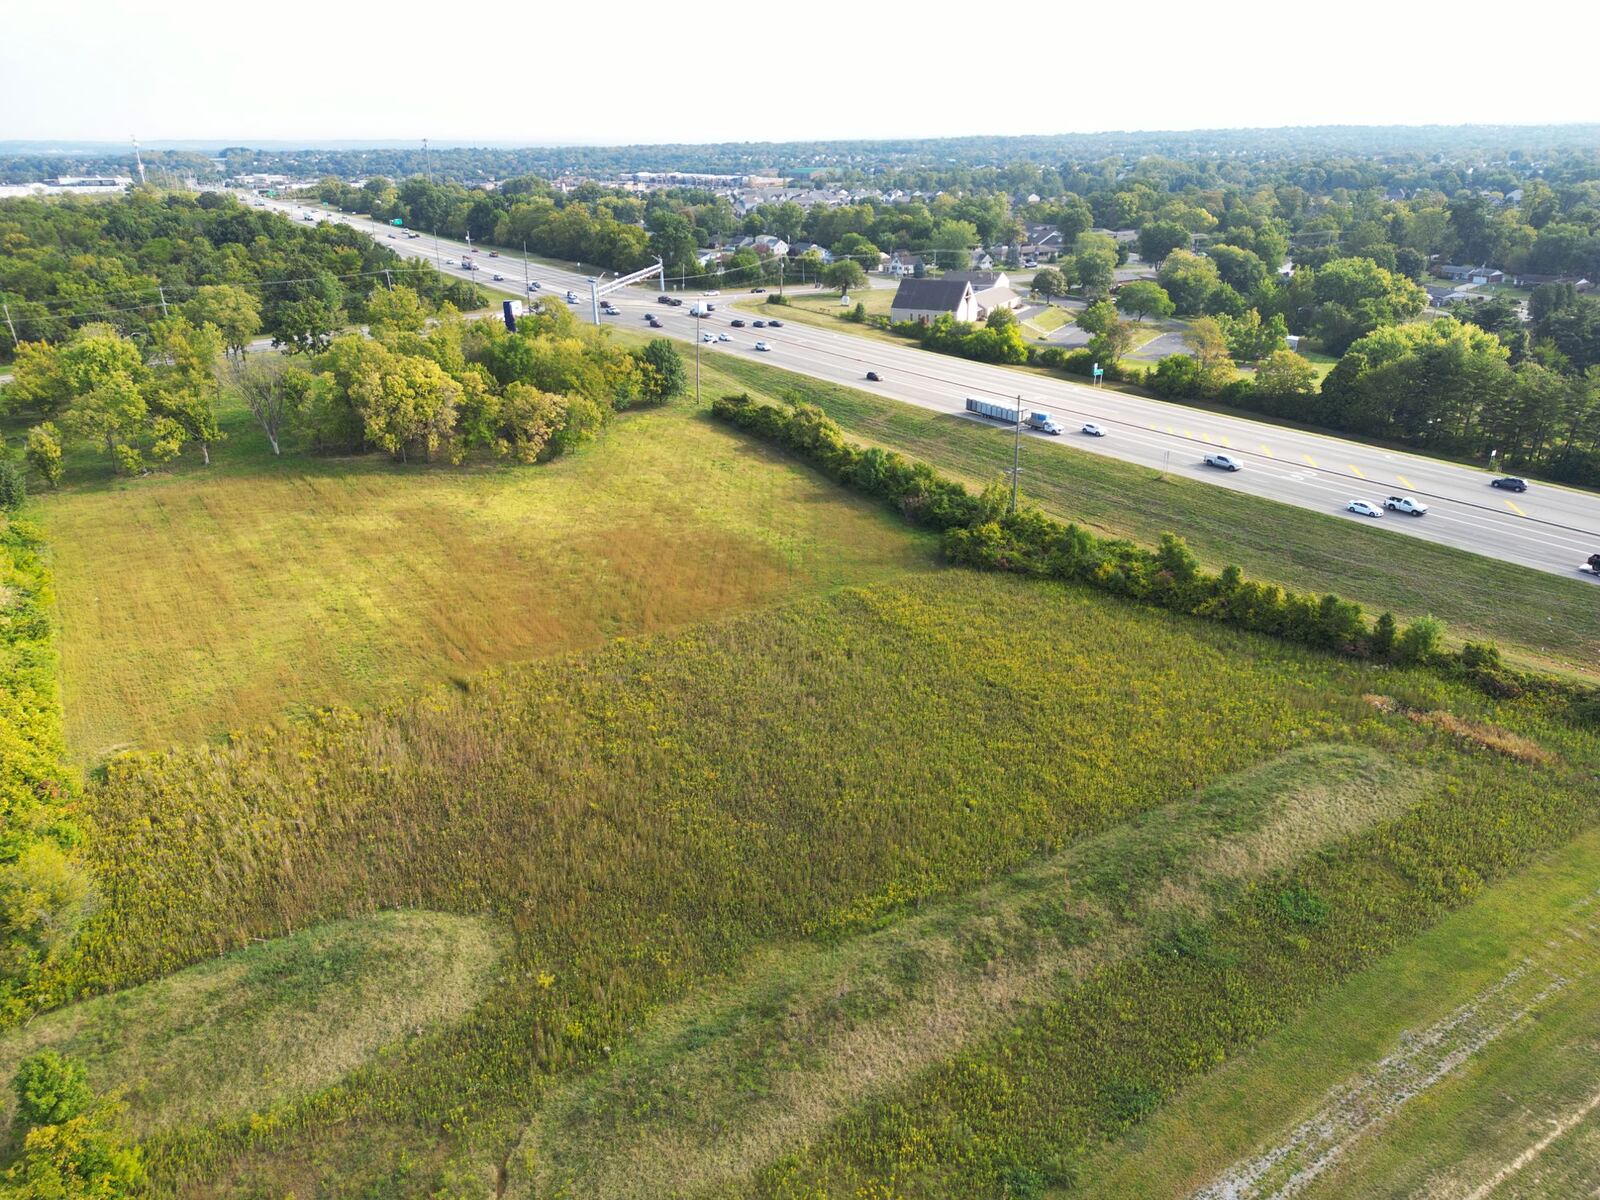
[[1463, 274], [903, 263], [1041, 244], [769, 243], [800, 249], [983, 260], [926, 300]]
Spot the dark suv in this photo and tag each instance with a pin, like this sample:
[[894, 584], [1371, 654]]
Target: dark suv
[[1511, 484]]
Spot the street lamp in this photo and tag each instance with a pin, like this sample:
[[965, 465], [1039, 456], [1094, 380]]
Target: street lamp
[[697, 356], [1016, 456]]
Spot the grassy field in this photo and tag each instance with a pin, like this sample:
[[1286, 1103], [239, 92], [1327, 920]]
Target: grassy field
[[822, 308], [653, 822], [1509, 979], [202, 601], [1046, 320], [1554, 621]]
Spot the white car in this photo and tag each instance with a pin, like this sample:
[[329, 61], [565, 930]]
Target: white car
[[1094, 430], [1363, 509], [712, 292], [762, 346], [722, 337], [533, 287], [611, 310], [1222, 462], [706, 337], [497, 277], [449, 262]]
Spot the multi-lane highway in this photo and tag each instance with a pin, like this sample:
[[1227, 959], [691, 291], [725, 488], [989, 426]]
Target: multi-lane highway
[[1549, 528]]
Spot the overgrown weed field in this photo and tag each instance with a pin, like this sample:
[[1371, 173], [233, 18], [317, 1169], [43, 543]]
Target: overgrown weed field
[[207, 600], [1536, 617], [651, 822]]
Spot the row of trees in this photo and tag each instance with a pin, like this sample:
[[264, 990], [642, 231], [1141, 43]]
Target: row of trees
[[424, 384]]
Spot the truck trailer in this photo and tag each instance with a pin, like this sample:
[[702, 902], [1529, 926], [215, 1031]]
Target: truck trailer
[[1043, 422]]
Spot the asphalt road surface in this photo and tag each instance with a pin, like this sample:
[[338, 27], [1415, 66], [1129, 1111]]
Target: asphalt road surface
[[1548, 527]]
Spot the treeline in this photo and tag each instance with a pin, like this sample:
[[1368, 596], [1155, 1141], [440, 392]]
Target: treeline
[[980, 532], [132, 261], [425, 384], [44, 891]]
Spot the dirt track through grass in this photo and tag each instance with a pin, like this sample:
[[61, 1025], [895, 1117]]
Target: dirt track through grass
[[275, 1020], [716, 1088]]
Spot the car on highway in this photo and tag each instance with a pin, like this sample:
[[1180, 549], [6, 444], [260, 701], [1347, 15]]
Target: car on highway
[[758, 324], [1591, 566], [774, 323], [1093, 430], [712, 292], [1222, 462], [757, 291], [497, 277], [611, 310], [449, 262], [663, 299], [706, 337], [872, 377], [652, 322], [737, 323], [533, 286], [1510, 483], [1363, 508], [494, 254], [572, 297], [391, 237], [762, 346], [675, 302], [722, 337], [1406, 504]]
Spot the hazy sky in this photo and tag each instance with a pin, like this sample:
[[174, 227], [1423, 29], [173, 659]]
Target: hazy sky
[[539, 72]]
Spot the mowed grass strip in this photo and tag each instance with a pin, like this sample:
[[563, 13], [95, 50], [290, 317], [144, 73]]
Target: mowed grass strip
[[1460, 1134], [273, 1020], [204, 601], [720, 1086], [1539, 618]]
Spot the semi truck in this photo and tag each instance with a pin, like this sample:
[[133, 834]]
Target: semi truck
[[1043, 422]]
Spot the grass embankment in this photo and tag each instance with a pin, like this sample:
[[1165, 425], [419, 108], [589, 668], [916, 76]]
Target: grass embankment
[[1047, 320], [722, 1085], [1551, 621], [206, 600], [1464, 1064], [269, 1021], [658, 815], [822, 309]]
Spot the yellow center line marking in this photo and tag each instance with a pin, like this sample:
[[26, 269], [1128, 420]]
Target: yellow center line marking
[[1224, 440], [1406, 483], [1309, 459], [1170, 430], [1512, 505], [1357, 470], [1267, 450], [1188, 433]]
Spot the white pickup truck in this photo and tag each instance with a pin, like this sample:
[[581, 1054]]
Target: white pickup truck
[[1405, 504]]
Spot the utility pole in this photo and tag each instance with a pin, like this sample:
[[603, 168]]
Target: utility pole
[[780, 274], [160, 291], [1016, 456], [427, 158], [9, 325], [388, 282], [525, 288], [697, 360]]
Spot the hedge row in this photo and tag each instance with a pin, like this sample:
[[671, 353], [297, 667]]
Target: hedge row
[[41, 889], [979, 532]]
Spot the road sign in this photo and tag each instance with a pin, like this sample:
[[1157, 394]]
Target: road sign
[[397, 221]]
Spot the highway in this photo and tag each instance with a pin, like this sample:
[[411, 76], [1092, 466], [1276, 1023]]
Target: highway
[[1549, 528]]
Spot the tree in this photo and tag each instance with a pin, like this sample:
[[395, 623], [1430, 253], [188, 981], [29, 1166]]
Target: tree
[[406, 404], [856, 247], [305, 326], [1249, 338], [844, 275], [50, 1089], [13, 486], [1098, 317], [666, 375], [270, 390], [396, 310], [952, 244], [1095, 269], [1346, 299], [183, 388], [44, 452], [1190, 280], [1240, 269], [1285, 376], [1157, 239], [1048, 282], [525, 421], [231, 309], [1144, 297]]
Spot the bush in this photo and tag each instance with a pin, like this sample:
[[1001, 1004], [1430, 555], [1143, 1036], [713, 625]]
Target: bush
[[51, 1089], [776, 298], [1421, 641], [13, 486]]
